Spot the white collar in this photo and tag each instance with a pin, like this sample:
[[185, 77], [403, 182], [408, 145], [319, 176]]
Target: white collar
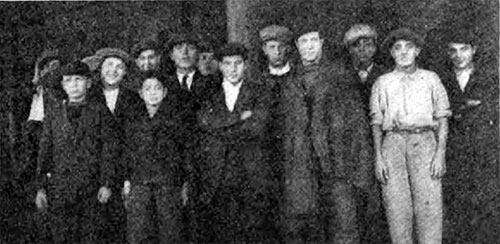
[[279, 71]]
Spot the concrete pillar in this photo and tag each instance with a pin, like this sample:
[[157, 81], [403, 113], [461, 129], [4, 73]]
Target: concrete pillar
[[238, 26]]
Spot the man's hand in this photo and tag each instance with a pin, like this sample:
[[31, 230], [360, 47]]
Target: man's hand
[[41, 199], [246, 114], [104, 194], [438, 166], [184, 193], [472, 102], [381, 170], [126, 188]]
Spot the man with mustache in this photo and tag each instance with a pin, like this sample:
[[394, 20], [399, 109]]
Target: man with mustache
[[470, 186]]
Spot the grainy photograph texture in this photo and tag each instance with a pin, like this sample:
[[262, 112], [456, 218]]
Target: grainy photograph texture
[[250, 121]]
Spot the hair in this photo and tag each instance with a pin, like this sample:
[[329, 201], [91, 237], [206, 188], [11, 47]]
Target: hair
[[152, 74], [232, 49]]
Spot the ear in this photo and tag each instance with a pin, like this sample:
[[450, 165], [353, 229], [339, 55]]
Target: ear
[[474, 49], [165, 92], [417, 50], [137, 62], [264, 49], [89, 83], [141, 94]]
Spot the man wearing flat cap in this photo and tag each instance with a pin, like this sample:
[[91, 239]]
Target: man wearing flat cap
[[147, 57], [207, 64], [307, 205], [409, 111], [74, 164], [470, 185]]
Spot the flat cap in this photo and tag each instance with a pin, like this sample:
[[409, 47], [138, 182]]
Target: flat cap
[[76, 68], [306, 25], [276, 33], [359, 31], [106, 52], [231, 49], [402, 34], [144, 45]]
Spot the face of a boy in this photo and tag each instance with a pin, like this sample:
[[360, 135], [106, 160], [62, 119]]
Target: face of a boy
[[207, 64], [184, 55], [404, 53], [232, 68], [310, 46], [148, 60], [461, 54], [75, 87], [275, 52], [363, 50], [113, 70], [152, 92]]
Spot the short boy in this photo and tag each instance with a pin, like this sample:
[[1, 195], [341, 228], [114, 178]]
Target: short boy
[[72, 164], [154, 166], [409, 108]]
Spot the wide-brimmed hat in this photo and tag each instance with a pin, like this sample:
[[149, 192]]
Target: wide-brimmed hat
[[107, 52]]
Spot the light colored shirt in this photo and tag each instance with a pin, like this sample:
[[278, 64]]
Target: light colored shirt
[[111, 98], [463, 78], [36, 110], [405, 101], [279, 71], [189, 80], [231, 93]]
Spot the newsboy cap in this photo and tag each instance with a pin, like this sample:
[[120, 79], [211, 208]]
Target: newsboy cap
[[359, 31], [76, 68], [275, 33], [144, 45], [402, 34]]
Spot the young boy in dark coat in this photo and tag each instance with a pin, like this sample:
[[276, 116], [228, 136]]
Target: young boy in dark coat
[[154, 174], [72, 164], [235, 174]]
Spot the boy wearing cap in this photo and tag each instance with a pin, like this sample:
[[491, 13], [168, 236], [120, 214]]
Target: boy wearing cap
[[154, 174], [361, 42], [73, 164], [471, 184], [235, 172], [207, 64], [409, 108]]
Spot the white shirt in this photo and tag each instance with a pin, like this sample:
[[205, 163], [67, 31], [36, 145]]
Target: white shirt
[[189, 80], [36, 110], [231, 93], [463, 77], [111, 98], [279, 71]]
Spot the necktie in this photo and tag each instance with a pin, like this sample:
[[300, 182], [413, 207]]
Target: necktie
[[184, 85]]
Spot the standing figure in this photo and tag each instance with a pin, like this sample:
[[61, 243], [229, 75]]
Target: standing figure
[[472, 182], [409, 109], [154, 174], [235, 174], [306, 168], [74, 163]]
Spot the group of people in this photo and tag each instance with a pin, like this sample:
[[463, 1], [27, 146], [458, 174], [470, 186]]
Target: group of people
[[306, 150]]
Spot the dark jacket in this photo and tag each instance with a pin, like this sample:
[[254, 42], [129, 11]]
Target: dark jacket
[[128, 106], [151, 152], [473, 137], [305, 148], [74, 158], [365, 88], [232, 148]]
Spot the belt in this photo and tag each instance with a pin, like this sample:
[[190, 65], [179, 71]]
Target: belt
[[414, 130]]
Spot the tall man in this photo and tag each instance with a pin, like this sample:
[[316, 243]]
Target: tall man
[[409, 109], [470, 188], [306, 166]]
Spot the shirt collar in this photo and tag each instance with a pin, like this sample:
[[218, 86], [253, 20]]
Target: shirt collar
[[190, 75], [279, 71], [228, 85]]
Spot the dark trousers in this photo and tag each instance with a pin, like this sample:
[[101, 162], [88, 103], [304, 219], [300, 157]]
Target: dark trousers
[[164, 201], [112, 222]]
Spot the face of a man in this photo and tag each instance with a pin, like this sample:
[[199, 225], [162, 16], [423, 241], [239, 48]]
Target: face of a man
[[309, 46], [362, 50], [232, 68], [207, 64], [184, 55], [404, 53], [461, 54], [275, 52], [75, 87], [113, 70], [152, 92], [148, 60]]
